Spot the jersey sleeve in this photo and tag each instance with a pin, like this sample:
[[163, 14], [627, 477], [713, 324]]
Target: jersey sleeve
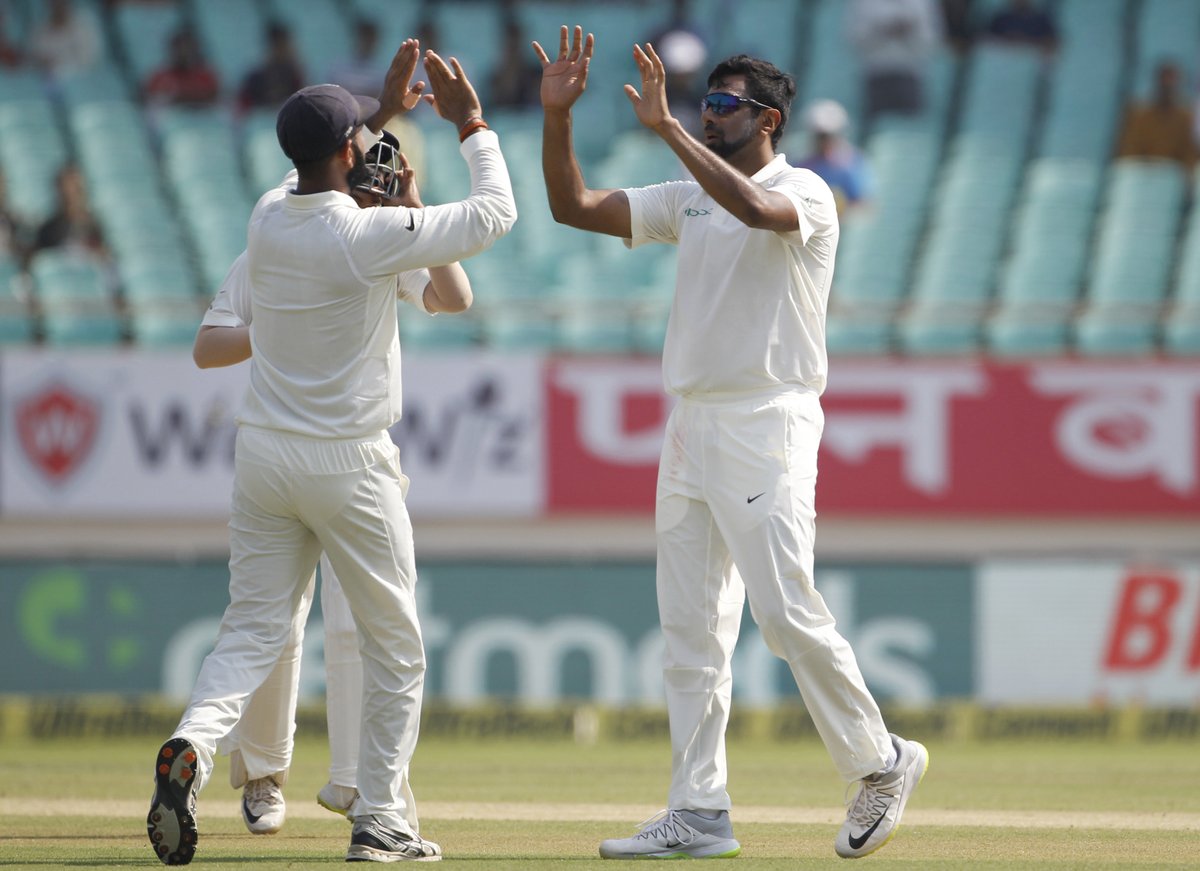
[[231, 306], [654, 212], [384, 242], [815, 206], [410, 288]]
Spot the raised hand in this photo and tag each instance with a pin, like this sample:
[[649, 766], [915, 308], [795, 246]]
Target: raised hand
[[453, 95], [398, 96], [650, 105], [564, 80]]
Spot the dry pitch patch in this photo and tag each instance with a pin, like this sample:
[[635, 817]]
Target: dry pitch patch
[[630, 814]]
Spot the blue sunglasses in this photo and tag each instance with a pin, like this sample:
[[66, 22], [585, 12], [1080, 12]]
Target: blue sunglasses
[[720, 103]]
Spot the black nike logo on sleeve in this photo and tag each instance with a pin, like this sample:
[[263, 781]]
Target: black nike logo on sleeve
[[750, 499], [412, 220]]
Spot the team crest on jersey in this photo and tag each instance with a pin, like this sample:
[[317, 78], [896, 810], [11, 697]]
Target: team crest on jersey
[[57, 429]]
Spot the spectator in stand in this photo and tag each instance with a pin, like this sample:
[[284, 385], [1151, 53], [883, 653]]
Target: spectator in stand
[[363, 71], [12, 238], [66, 42], [833, 157], [1162, 127], [278, 76], [1023, 22], [186, 79], [683, 45], [958, 24], [72, 225], [12, 55], [895, 40], [516, 81]]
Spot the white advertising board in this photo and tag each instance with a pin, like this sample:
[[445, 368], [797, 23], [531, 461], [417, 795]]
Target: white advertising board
[[1072, 632], [139, 434]]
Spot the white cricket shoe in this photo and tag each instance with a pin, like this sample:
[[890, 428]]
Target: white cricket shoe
[[338, 799], [372, 842], [676, 834], [874, 814], [263, 807]]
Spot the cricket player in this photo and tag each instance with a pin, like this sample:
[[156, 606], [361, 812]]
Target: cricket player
[[260, 747], [315, 468], [745, 355]]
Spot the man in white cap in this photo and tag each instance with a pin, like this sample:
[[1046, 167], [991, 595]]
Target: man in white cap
[[315, 468]]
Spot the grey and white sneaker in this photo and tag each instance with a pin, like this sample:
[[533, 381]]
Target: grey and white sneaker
[[171, 823], [676, 834], [263, 807], [372, 842], [338, 799], [874, 814]]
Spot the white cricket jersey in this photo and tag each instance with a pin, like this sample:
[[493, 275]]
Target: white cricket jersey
[[325, 351], [231, 306], [749, 307]]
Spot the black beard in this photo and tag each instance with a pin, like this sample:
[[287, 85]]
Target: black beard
[[726, 149], [358, 173]]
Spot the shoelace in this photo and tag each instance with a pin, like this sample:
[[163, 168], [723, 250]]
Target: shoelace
[[868, 805], [263, 791], [666, 824]]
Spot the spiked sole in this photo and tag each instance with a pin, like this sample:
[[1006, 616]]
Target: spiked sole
[[170, 823]]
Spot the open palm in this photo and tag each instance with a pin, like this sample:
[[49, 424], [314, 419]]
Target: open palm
[[564, 79]]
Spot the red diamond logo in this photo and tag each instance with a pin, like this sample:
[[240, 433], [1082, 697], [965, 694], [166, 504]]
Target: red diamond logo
[[57, 429]]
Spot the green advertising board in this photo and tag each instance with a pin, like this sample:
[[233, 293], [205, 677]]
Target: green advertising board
[[536, 633]]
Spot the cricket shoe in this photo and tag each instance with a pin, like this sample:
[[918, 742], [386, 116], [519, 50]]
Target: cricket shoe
[[676, 834], [372, 842], [171, 823], [874, 814], [338, 799], [263, 807]]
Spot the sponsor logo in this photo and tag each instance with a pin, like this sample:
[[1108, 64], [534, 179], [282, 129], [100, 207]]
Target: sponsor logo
[[856, 843], [750, 499], [696, 213], [57, 430]]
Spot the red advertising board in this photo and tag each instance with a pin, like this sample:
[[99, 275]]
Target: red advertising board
[[954, 437]]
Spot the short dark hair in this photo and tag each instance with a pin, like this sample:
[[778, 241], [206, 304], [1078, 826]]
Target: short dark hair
[[765, 82]]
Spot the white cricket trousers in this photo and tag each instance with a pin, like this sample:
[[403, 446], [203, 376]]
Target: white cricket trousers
[[294, 497], [263, 737], [735, 519]]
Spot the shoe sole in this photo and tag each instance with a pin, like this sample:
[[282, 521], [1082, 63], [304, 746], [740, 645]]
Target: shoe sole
[[725, 853], [170, 823], [366, 854], [922, 753]]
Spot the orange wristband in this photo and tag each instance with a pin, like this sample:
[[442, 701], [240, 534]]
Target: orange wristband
[[470, 127]]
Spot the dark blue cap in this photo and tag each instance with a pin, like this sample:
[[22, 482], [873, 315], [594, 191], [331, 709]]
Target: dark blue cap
[[317, 120]]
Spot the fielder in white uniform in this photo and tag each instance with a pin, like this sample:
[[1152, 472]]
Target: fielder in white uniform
[[260, 746], [315, 469], [735, 516]]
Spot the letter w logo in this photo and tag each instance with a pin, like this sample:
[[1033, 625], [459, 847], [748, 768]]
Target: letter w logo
[[57, 429]]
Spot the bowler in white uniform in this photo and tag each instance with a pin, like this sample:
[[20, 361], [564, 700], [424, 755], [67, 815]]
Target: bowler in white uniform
[[745, 356]]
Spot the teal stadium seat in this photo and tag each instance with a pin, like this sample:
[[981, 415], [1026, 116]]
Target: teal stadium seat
[[143, 32], [76, 303], [17, 322]]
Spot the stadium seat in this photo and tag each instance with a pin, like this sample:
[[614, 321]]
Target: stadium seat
[[441, 333], [17, 323], [169, 323], [143, 31], [529, 327], [1116, 330], [232, 34], [320, 33], [75, 299]]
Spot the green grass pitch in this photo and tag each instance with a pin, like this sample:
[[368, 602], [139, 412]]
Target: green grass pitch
[[525, 804]]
